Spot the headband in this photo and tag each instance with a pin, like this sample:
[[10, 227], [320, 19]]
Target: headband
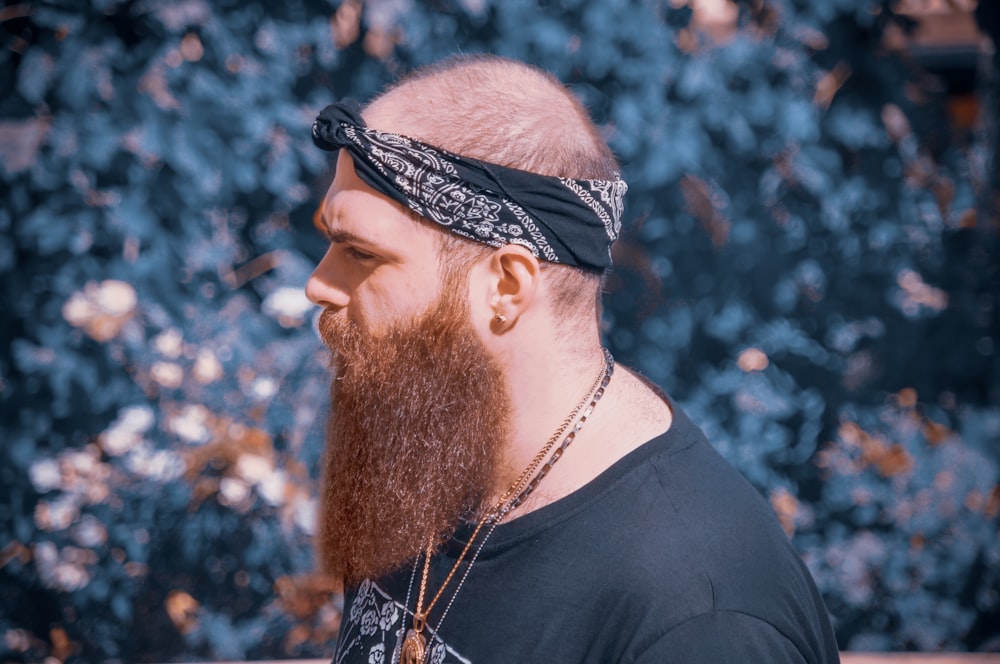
[[560, 220]]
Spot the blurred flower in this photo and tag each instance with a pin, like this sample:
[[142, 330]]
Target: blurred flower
[[136, 418], [254, 468], [752, 359], [81, 461], [190, 424], [915, 294], [305, 514], [20, 142], [57, 514], [233, 492], [167, 374], [288, 305], [127, 430], [259, 470], [786, 507], [90, 532], [18, 640], [65, 571], [169, 343], [207, 368], [45, 475], [183, 610], [345, 23], [101, 309], [264, 388], [856, 563], [272, 488], [159, 465], [84, 475]]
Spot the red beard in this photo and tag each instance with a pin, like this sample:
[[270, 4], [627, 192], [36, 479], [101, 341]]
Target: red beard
[[418, 420]]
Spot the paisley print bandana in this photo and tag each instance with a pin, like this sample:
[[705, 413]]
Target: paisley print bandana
[[560, 220]]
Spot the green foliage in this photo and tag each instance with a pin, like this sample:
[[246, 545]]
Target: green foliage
[[805, 273]]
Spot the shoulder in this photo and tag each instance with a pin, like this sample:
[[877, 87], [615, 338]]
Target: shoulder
[[731, 637], [703, 558]]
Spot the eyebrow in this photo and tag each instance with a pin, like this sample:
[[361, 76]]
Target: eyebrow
[[319, 221]]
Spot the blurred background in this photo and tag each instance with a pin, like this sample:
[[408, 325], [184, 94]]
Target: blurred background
[[810, 267]]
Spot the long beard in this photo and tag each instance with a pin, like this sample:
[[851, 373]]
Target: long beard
[[413, 441]]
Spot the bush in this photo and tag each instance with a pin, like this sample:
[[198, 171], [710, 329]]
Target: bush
[[806, 272]]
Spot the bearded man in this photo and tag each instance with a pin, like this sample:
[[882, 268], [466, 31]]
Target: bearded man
[[495, 488]]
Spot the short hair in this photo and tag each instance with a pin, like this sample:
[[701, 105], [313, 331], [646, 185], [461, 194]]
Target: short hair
[[515, 115]]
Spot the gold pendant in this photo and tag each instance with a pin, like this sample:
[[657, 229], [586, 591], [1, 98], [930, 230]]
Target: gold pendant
[[414, 648]]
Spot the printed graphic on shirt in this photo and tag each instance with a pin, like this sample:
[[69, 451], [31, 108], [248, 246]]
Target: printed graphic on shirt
[[373, 628]]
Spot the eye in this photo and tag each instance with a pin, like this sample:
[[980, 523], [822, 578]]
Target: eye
[[357, 254]]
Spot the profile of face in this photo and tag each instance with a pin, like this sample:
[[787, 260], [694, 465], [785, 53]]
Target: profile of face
[[419, 406]]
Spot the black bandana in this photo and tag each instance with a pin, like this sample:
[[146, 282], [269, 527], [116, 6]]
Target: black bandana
[[560, 220]]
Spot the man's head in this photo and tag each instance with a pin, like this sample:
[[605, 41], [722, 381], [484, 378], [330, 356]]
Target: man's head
[[420, 400], [505, 114]]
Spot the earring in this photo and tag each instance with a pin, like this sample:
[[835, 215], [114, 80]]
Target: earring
[[499, 319]]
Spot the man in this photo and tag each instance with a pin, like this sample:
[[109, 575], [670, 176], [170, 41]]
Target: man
[[495, 488]]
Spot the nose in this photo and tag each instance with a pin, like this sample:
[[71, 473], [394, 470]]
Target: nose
[[324, 286]]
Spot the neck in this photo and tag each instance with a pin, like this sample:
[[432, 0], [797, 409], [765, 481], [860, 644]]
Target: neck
[[546, 383]]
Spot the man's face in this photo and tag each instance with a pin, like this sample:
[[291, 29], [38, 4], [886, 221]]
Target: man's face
[[419, 406], [380, 266]]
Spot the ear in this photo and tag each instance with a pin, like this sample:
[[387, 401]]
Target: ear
[[512, 276]]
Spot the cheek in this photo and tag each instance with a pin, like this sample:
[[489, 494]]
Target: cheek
[[375, 309]]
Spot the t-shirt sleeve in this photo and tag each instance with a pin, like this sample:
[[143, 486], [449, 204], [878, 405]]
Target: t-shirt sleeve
[[722, 637]]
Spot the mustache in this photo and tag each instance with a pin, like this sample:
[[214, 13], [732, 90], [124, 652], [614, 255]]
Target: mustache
[[329, 327], [339, 334], [341, 337]]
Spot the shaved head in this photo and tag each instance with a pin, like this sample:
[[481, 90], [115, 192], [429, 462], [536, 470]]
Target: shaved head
[[497, 110]]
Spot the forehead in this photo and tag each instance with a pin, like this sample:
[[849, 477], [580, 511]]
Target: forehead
[[352, 210]]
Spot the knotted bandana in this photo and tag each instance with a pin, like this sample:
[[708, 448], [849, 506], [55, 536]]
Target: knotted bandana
[[560, 220]]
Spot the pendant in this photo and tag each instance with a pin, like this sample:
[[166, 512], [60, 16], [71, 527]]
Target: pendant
[[414, 648]]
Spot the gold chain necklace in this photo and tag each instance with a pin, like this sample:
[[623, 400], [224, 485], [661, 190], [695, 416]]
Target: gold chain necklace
[[415, 644]]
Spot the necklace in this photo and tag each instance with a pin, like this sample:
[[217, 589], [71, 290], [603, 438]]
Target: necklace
[[414, 648]]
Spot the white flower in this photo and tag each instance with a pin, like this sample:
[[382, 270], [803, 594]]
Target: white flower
[[305, 515], [169, 343], [45, 475], [159, 465], [167, 374], [58, 514], [127, 429], [46, 555], [116, 298], [137, 419], [264, 388], [254, 468], [118, 440], [62, 572], [190, 424], [232, 491], [101, 309], [83, 462], [90, 532], [69, 577], [207, 368], [78, 310], [288, 305], [377, 654], [272, 488], [17, 640]]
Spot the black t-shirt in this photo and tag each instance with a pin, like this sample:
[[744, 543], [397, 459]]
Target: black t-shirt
[[670, 555]]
